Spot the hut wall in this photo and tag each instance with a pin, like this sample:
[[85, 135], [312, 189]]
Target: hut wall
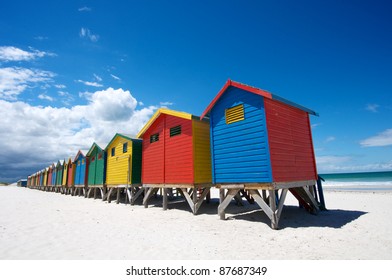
[[80, 170], [201, 151], [50, 172], [65, 174], [71, 174], [240, 151], [54, 175], [290, 142], [153, 167], [59, 175], [137, 161], [96, 167], [119, 165], [178, 151]]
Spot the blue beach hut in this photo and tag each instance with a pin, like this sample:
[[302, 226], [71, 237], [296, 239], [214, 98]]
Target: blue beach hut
[[260, 141]]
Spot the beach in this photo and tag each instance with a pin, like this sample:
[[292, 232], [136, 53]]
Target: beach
[[37, 225]]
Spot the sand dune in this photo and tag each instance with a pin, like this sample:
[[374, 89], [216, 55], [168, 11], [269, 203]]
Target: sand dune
[[43, 225]]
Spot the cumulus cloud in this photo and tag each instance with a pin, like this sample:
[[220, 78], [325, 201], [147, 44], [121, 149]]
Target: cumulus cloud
[[86, 33], [34, 136], [14, 80], [9, 53], [382, 139]]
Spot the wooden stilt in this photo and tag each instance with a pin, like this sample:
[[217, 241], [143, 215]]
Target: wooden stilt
[[221, 198], [109, 195], [118, 195], [272, 201], [226, 200], [164, 202]]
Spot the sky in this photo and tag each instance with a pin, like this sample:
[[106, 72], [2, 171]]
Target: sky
[[77, 72]]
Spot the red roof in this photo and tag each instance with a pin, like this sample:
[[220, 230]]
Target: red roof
[[254, 90]]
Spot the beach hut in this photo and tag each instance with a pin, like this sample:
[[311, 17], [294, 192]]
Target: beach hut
[[22, 183], [59, 176], [96, 158], [64, 179], [80, 173], [260, 141], [54, 175], [45, 179], [50, 175], [176, 155], [123, 166], [70, 176]]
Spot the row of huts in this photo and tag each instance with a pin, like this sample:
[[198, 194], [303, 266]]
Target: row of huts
[[248, 143]]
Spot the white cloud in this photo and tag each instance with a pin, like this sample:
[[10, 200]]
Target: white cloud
[[115, 77], [330, 139], [14, 80], [166, 103], [60, 86], [9, 53], [382, 139], [45, 97], [372, 107], [86, 33], [84, 9], [91, 84], [41, 135], [98, 78]]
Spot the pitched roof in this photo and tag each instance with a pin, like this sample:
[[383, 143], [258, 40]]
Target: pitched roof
[[164, 111], [126, 136], [77, 155], [92, 149], [254, 90]]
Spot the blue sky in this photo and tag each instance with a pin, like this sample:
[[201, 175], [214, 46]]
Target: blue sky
[[74, 72]]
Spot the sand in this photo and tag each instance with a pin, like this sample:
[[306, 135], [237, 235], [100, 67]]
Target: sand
[[52, 226]]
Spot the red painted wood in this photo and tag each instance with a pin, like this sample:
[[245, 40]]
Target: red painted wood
[[178, 152], [290, 143], [153, 154]]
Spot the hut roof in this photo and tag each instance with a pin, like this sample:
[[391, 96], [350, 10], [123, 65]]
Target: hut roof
[[165, 111], [92, 149], [257, 91], [126, 136], [77, 155]]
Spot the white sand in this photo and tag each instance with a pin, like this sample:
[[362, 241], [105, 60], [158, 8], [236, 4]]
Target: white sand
[[42, 225]]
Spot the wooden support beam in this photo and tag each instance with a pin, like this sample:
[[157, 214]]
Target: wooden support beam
[[222, 206], [263, 205], [164, 201], [188, 198], [203, 195], [310, 196], [109, 195], [272, 201], [118, 195], [150, 192], [221, 199], [281, 203]]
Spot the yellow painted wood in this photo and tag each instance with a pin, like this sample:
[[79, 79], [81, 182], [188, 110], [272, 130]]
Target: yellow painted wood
[[65, 173], [201, 151], [119, 166], [235, 114], [45, 176], [160, 111]]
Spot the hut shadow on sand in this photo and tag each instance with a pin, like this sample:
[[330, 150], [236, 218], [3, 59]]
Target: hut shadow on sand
[[296, 217]]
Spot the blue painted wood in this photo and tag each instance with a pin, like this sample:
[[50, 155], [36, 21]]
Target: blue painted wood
[[54, 173], [80, 170], [239, 151]]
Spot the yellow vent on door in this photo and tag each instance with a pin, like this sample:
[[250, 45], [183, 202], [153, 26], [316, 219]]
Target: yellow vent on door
[[235, 114]]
